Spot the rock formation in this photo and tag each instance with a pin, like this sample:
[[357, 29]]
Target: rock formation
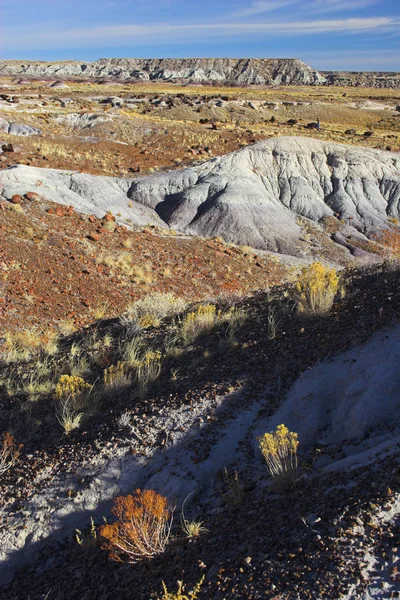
[[244, 71], [253, 196]]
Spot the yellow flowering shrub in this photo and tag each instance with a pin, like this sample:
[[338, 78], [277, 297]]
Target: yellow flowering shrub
[[69, 386], [279, 449], [317, 288]]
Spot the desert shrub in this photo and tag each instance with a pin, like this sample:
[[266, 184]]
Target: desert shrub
[[142, 527], [9, 453], [181, 594], [197, 322], [317, 287], [149, 311], [115, 375], [279, 449]]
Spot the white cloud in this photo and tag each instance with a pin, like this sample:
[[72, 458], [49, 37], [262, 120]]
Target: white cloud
[[325, 6], [165, 33], [310, 6], [263, 6]]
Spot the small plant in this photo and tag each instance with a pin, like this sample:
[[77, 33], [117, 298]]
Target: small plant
[[68, 416], [191, 528], [317, 288], [279, 449], [87, 538], [180, 594], [272, 322], [233, 492], [100, 311], [9, 453], [142, 527]]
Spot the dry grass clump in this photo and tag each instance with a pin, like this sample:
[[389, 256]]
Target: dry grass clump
[[203, 319], [181, 594], [38, 385], [279, 449], [192, 528], [122, 262], [66, 327], [100, 310], [22, 345], [142, 527], [149, 311], [9, 453], [145, 361], [198, 322], [317, 288]]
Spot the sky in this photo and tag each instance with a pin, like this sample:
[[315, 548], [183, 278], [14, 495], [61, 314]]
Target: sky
[[327, 34]]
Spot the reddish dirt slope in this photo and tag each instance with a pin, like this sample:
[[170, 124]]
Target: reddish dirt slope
[[50, 266]]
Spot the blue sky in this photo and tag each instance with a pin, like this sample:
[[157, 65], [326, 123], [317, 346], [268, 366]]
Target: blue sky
[[328, 34]]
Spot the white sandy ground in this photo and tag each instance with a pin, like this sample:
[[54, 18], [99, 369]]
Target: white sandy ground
[[354, 397]]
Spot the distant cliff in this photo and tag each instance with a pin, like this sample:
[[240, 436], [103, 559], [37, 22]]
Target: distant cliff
[[363, 79], [244, 71]]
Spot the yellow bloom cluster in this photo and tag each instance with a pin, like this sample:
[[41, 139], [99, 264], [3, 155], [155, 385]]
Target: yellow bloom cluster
[[71, 387]]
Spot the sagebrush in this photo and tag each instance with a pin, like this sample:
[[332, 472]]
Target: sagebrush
[[142, 527]]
